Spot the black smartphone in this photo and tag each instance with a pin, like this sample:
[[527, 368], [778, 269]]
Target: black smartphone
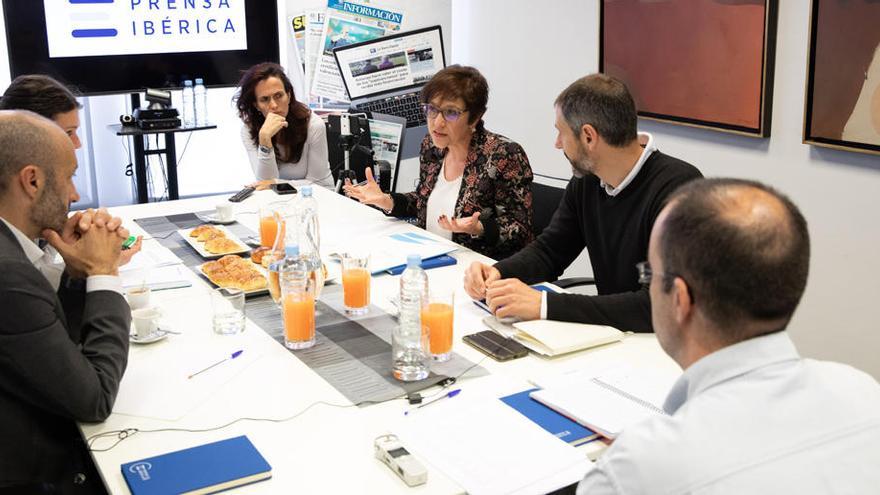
[[283, 188], [496, 345]]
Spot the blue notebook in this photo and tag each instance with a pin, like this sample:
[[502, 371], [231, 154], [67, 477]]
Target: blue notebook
[[208, 468], [555, 423], [427, 264]]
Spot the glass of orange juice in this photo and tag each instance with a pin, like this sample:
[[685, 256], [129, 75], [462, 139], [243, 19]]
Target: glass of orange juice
[[437, 320], [298, 310], [356, 283], [272, 223]]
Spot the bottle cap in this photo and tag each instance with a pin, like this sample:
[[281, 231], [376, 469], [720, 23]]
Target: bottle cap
[[199, 80], [306, 191], [187, 83], [413, 260], [291, 250]]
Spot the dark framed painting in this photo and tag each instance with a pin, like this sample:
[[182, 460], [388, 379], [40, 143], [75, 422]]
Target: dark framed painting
[[842, 108], [703, 63]]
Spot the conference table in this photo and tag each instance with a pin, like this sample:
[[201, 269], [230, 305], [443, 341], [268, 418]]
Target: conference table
[[328, 445]]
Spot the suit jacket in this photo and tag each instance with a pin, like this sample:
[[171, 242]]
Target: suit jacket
[[52, 375], [496, 182]]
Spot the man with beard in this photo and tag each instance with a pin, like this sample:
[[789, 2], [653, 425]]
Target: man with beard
[[620, 184], [48, 380]]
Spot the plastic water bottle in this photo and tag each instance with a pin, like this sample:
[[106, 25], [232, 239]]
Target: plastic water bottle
[[410, 354], [297, 300], [188, 104], [201, 106], [310, 235]]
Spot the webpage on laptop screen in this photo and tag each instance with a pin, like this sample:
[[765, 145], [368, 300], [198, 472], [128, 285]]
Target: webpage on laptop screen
[[391, 64]]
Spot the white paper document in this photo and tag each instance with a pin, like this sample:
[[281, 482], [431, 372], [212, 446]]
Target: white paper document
[[506, 453], [156, 383], [607, 401]]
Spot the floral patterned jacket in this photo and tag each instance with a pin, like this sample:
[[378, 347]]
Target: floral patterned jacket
[[496, 182]]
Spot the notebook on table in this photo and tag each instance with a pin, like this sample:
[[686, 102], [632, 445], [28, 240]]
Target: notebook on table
[[609, 401], [556, 424], [208, 468]]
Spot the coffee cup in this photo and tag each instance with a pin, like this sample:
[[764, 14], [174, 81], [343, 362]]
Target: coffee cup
[[225, 212], [146, 321], [138, 297]]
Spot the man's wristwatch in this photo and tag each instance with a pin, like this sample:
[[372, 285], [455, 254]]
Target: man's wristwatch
[[265, 149]]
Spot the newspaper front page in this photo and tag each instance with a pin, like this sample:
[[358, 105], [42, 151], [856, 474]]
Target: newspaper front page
[[346, 23]]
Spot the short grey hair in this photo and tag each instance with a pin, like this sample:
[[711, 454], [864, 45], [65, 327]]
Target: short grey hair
[[26, 138], [602, 102]]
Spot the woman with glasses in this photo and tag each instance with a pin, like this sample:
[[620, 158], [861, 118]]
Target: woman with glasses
[[283, 139], [474, 185]]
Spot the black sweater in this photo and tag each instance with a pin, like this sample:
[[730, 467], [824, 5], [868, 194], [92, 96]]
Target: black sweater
[[615, 230]]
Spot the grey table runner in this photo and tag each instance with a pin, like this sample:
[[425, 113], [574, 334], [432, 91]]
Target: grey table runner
[[353, 354]]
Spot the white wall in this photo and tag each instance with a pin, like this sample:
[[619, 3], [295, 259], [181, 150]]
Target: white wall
[[530, 56]]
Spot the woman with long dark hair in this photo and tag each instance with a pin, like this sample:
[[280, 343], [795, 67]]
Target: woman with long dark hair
[[283, 139]]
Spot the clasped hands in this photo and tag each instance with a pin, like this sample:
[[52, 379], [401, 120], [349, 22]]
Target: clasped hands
[[371, 194], [91, 243], [507, 297]]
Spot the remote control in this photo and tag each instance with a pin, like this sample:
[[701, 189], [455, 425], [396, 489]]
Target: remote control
[[242, 195]]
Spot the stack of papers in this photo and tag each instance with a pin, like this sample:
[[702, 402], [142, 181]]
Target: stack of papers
[[553, 338], [156, 268], [609, 401], [506, 453]]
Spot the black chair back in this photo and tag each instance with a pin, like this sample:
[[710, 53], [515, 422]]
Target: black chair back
[[545, 200]]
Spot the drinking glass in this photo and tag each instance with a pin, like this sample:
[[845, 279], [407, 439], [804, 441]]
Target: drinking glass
[[438, 316], [228, 305], [272, 223], [356, 283]]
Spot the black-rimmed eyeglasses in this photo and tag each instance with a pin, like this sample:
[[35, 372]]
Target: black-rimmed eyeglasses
[[646, 274], [449, 114]]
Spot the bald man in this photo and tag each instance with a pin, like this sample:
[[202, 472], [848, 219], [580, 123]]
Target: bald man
[[48, 380], [727, 265]]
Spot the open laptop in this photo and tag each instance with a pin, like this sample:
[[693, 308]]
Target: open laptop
[[386, 75]]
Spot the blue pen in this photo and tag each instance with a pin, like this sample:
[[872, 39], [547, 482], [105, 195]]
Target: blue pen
[[230, 358], [450, 394]]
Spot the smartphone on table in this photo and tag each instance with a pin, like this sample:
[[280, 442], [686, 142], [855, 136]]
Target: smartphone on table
[[283, 188], [496, 345]]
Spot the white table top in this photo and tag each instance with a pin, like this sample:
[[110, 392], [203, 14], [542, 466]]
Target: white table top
[[326, 448]]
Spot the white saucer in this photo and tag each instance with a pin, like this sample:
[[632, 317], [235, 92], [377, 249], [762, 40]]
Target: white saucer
[[210, 218], [149, 339]]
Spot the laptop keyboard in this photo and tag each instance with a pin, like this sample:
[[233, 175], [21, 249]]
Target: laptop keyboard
[[404, 106]]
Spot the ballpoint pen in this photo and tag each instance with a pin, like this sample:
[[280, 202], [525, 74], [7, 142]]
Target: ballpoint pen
[[450, 394], [230, 358]]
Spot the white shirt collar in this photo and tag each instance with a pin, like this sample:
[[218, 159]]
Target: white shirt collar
[[730, 362], [646, 140], [31, 249]]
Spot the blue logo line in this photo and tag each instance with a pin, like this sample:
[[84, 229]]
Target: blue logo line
[[94, 33], [89, 1]]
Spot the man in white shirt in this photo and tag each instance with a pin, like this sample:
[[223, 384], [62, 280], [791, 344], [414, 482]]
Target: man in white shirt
[[48, 378], [727, 265]]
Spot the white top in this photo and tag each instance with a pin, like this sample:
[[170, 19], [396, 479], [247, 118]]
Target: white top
[[442, 202], [313, 165], [44, 261], [752, 418]]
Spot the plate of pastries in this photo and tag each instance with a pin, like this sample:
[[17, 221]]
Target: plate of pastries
[[213, 241], [233, 271]]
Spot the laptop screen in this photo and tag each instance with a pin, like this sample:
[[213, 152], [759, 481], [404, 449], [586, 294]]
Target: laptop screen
[[401, 61]]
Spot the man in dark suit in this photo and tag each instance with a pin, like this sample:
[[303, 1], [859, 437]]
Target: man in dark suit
[[48, 379]]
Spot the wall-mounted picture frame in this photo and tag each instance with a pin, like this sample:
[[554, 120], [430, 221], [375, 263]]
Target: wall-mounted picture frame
[[701, 63], [842, 103]]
